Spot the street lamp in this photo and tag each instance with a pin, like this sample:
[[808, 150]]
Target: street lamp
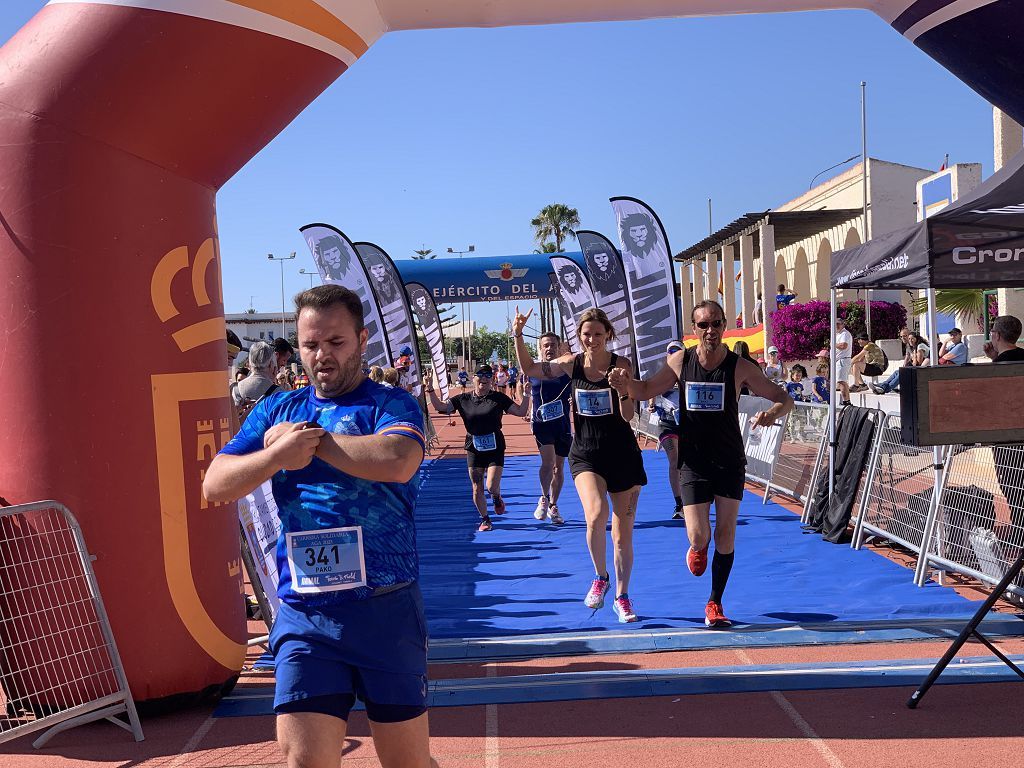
[[282, 259], [466, 343], [304, 271]]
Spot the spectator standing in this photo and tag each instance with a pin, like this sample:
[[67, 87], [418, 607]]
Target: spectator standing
[[284, 352], [263, 364], [954, 351], [820, 392], [844, 354], [775, 370], [784, 297], [870, 361]]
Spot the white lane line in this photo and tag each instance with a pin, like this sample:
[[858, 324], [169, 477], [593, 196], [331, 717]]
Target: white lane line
[[185, 755], [491, 726], [804, 727]]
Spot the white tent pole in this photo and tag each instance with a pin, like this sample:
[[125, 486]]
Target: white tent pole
[[832, 397], [864, 187], [921, 571]]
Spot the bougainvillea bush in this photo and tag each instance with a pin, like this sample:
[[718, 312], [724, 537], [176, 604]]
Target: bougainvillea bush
[[800, 331]]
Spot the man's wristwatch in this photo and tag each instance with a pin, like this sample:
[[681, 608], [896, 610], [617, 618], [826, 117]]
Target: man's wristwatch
[[623, 398]]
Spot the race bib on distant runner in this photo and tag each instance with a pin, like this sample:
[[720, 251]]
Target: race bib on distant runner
[[594, 402], [552, 411], [483, 443], [327, 560], [705, 396]]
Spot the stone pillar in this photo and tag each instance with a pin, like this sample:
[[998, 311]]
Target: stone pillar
[[1007, 139], [766, 235], [748, 290], [729, 283], [711, 289], [686, 291]]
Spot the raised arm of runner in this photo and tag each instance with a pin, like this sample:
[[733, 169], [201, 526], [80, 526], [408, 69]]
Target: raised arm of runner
[[441, 406], [751, 376], [529, 367]]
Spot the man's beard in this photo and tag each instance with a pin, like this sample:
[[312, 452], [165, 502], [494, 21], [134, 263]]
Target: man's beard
[[348, 373]]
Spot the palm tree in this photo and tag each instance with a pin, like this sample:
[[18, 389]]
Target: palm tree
[[546, 248], [424, 253], [556, 221], [960, 302]]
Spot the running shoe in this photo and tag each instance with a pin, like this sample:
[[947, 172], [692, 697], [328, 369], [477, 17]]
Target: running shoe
[[697, 561], [713, 616], [542, 508], [554, 516], [499, 505], [595, 597], [677, 514], [624, 610], [485, 525]]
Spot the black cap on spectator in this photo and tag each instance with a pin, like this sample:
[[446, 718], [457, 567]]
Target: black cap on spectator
[[955, 330], [484, 370]]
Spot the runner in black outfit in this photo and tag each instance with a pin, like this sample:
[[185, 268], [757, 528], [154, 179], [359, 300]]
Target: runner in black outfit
[[552, 402], [711, 456], [481, 410], [604, 459]]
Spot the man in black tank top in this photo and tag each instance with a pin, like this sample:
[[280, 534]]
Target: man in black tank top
[[711, 456]]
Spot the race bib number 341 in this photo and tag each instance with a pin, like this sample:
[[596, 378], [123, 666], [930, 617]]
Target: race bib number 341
[[705, 396], [327, 560]]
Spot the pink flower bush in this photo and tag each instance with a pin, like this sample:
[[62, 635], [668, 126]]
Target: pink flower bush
[[801, 330]]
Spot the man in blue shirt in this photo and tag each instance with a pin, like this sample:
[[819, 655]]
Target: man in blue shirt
[[342, 456], [954, 351], [784, 297]]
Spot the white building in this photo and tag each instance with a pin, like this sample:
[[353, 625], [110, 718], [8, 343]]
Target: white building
[[801, 235], [260, 326]]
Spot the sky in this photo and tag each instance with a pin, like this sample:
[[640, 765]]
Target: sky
[[446, 138]]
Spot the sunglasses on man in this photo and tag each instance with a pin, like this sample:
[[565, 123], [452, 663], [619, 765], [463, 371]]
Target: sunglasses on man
[[705, 324], [487, 376]]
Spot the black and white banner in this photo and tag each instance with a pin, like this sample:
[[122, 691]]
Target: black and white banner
[[394, 304], [336, 258], [652, 287], [568, 323], [573, 290], [608, 281], [430, 323]]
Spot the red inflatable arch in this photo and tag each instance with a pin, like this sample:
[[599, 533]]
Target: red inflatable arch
[[119, 120]]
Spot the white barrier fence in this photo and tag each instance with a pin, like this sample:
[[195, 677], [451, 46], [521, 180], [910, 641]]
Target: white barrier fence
[[59, 665]]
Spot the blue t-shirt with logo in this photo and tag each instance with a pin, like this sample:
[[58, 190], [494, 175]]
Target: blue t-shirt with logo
[[795, 389], [320, 496]]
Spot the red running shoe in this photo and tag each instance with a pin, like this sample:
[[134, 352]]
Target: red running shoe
[[485, 525], [713, 616], [697, 561], [499, 505]]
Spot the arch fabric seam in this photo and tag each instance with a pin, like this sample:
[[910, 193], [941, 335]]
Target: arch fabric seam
[[107, 144]]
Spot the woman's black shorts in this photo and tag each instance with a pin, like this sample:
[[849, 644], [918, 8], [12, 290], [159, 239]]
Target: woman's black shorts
[[485, 459], [621, 469]]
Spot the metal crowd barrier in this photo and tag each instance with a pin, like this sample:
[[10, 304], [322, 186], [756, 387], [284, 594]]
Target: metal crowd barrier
[[794, 470], [59, 665]]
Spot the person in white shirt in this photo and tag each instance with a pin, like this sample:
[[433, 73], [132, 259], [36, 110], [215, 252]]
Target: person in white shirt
[[844, 354]]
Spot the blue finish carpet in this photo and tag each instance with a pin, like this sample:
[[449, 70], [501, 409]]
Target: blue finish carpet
[[528, 577]]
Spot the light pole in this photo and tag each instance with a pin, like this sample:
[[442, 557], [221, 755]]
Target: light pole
[[466, 342], [304, 271], [282, 260]]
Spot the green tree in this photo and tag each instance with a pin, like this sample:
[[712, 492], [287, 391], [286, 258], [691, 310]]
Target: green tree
[[962, 302], [546, 248], [555, 222], [424, 253]]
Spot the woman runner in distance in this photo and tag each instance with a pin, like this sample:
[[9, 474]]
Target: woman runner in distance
[[605, 459], [481, 410]]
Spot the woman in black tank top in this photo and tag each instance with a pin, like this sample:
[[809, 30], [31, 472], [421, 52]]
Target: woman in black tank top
[[605, 460]]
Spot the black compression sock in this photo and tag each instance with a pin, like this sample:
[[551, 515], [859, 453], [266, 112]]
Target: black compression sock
[[679, 501], [721, 566]]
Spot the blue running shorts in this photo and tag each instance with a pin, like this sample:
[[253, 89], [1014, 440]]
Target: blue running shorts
[[374, 649]]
